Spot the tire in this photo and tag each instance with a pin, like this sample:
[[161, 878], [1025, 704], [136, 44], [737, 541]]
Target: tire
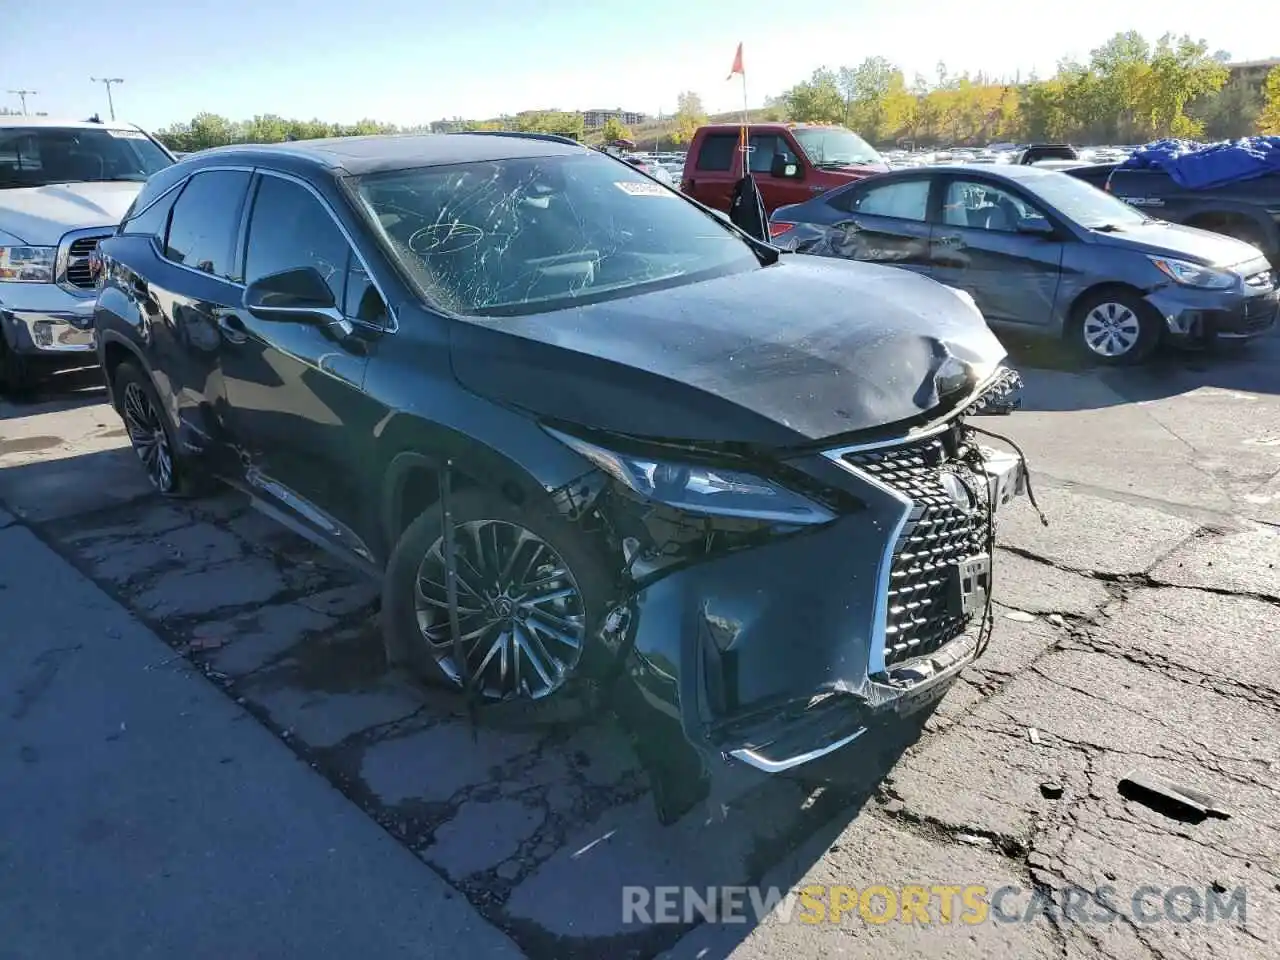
[[15, 371], [151, 435], [1135, 326], [415, 622]]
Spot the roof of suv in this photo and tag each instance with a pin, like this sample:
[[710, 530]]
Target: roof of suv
[[18, 120], [361, 155]]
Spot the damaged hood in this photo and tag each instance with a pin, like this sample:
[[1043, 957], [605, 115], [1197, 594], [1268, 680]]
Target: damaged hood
[[802, 350]]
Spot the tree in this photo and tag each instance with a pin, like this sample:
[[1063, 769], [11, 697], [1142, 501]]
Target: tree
[[689, 116], [1269, 118], [817, 100], [615, 129], [1181, 71], [864, 89]]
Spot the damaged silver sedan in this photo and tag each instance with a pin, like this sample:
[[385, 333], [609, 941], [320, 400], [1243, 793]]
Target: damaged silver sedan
[[595, 442]]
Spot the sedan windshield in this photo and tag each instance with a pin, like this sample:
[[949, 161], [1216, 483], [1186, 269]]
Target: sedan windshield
[[39, 156], [1082, 202], [835, 147], [521, 236]]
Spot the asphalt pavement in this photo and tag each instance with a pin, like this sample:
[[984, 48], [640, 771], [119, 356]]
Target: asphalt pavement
[[203, 754]]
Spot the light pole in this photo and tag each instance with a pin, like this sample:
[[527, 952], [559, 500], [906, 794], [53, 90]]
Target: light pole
[[22, 96], [107, 82]]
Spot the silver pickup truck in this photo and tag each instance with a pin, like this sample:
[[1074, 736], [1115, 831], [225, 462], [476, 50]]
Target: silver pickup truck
[[64, 185]]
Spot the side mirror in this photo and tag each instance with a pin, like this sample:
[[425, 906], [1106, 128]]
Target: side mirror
[[784, 168], [296, 296], [1035, 226]]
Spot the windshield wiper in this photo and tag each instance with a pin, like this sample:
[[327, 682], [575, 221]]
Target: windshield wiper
[[1107, 228]]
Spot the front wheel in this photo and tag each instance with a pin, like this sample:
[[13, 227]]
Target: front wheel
[[1117, 328], [531, 589], [15, 371]]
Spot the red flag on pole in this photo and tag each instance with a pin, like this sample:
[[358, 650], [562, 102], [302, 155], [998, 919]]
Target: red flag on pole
[[737, 65]]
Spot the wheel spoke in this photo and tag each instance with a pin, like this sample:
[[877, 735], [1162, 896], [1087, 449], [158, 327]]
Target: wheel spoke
[[518, 601]]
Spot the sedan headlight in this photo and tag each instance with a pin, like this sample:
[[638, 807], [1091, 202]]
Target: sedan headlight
[[702, 489], [23, 264], [1194, 275]]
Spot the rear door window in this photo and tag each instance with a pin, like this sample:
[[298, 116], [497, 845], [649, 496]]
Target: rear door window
[[716, 152], [205, 221], [902, 199]]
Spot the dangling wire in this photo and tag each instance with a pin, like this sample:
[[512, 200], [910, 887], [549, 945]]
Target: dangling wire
[[1031, 494]]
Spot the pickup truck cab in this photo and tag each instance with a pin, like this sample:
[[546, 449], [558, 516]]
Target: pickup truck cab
[[64, 185], [791, 162]]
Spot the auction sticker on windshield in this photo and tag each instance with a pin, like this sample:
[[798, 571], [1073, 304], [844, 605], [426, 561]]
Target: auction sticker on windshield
[[637, 189], [127, 134]]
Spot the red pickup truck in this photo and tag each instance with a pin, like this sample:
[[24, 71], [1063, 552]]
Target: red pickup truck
[[790, 161]]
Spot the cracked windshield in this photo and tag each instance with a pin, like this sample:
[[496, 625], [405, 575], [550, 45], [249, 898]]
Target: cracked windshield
[[680, 482]]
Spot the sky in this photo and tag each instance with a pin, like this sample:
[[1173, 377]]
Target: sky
[[413, 61]]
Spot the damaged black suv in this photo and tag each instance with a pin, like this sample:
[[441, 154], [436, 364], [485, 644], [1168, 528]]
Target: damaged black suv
[[590, 436]]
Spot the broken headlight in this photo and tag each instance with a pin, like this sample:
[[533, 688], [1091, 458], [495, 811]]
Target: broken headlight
[[698, 488]]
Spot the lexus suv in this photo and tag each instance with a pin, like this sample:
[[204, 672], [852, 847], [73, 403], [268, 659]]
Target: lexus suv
[[63, 187], [597, 444]]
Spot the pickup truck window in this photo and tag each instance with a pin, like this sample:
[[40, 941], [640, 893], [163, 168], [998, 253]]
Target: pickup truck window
[[764, 146], [716, 152], [835, 147], [39, 156]]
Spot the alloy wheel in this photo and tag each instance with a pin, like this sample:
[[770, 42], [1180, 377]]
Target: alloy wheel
[[521, 614], [1111, 329], [147, 434]]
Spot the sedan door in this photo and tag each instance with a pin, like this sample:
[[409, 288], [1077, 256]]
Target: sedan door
[[993, 242], [877, 221], [294, 387]]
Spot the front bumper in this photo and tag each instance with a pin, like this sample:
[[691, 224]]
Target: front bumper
[[43, 319], [1196, 315], [775, 659]]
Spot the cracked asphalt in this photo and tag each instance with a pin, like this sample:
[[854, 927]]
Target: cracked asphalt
[[1137, 631]]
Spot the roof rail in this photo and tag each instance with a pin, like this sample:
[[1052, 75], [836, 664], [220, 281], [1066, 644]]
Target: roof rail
[[553, 137]]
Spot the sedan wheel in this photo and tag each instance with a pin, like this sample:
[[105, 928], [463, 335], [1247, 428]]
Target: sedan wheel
[[521, 613], [147, 434], [1117, 328], [1111, 329]]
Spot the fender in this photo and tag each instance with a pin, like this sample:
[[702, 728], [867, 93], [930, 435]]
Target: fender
[[408, 445]]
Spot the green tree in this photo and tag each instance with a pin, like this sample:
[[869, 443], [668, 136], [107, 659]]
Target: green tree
[[864, 89], [1181, 71], [817, 100], [1269, 117], [615, 129], [689, 116]]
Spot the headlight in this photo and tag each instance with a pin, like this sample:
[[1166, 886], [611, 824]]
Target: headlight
[[27, 264], [1194, 275], [702, 489]]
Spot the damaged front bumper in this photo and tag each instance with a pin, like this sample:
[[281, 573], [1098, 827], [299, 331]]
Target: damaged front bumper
[[764, 661]]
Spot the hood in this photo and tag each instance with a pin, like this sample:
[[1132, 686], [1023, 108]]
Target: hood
[[41, 215], [806, 349], [1159, 238]]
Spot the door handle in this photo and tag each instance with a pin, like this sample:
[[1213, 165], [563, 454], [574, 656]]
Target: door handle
[[950, 241], [232, 327]]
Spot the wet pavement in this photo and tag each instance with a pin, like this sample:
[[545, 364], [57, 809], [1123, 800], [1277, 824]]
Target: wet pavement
[[1138, 630]]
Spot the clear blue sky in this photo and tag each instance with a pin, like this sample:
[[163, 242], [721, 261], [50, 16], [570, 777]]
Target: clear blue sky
[[412, 61]]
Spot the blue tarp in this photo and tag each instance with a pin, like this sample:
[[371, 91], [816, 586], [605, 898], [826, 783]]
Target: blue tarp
[[1197, 166]]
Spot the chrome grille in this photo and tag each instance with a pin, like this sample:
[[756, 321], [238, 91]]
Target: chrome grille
[[919, 616], [74, 260]]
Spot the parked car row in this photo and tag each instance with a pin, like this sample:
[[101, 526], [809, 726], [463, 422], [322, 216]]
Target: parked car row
[[1039, 250]]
